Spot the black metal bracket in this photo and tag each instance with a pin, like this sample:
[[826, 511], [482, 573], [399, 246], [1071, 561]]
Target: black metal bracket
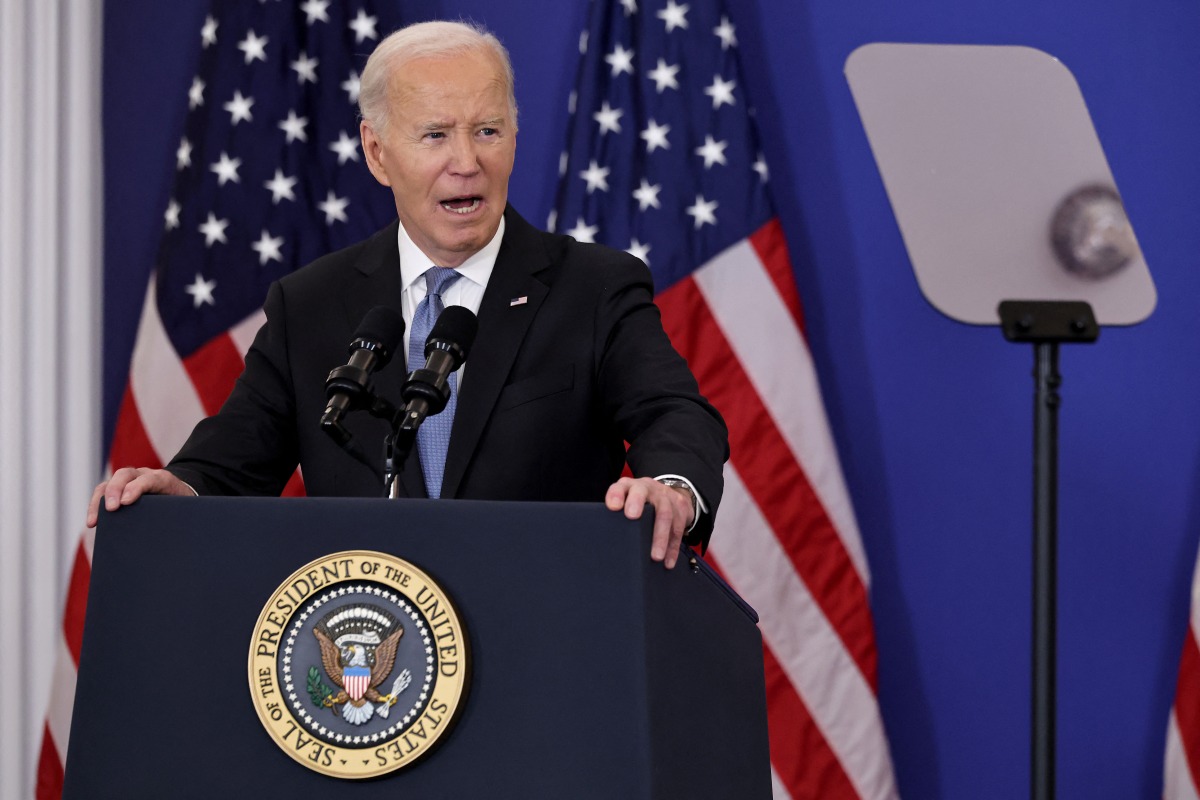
[[1048, 321]]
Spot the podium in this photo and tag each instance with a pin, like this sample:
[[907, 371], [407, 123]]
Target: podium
[[593, 671]]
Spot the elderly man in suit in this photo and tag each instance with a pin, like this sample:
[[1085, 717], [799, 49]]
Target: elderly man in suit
[[571, 374]]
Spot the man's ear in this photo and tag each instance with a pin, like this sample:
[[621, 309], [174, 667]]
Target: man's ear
[[373, 150]]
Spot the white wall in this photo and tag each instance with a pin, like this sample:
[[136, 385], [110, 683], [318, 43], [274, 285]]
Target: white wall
[[50, 285]]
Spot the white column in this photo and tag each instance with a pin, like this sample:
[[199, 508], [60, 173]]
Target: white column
[[50, 348]]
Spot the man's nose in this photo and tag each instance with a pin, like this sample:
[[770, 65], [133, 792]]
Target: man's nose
[[464, 156]]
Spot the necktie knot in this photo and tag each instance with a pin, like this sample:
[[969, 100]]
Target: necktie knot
[[438, 278]]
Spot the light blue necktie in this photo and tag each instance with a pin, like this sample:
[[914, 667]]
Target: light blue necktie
[[433, 437]]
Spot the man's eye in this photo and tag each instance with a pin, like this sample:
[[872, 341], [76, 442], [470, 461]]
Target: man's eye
[[488, 131], [435, 135]]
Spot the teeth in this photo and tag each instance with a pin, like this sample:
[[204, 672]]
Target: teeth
[[465, 209]]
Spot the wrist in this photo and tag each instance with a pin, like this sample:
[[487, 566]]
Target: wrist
[[684, 488]]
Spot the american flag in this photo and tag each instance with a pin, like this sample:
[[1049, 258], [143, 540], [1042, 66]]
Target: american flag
[[664, 160], [269, 176], [1181, 778]]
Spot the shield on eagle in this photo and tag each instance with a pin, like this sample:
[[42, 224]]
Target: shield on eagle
[[356, 680]]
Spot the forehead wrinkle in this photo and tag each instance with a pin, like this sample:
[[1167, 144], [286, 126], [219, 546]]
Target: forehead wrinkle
[[485, 101], [444, 124]]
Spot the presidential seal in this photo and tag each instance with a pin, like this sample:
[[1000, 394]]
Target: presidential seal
[[358, 664]]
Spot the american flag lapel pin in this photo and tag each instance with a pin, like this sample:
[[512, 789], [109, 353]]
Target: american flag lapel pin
[[519, 301]]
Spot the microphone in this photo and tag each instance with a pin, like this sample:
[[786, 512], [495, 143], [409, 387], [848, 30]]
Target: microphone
[[427, 390], [349, 387]]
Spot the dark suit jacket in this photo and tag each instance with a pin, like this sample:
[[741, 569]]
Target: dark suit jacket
[[554, 386]]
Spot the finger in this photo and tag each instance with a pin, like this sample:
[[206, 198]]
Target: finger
[[675, 541], [614, 499], [670, 512], [93, 511], [129, 483], [635, 500], [154, 481], [114, 492], [661, 537], [143, 483]]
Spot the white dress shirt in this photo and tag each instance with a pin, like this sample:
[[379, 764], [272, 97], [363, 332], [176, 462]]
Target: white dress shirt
[[467, 291]]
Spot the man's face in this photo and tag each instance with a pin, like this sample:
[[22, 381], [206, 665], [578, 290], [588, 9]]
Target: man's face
[[447, 152]]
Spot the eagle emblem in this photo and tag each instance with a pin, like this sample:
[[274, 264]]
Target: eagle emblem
[[346, 673], [358, 650]]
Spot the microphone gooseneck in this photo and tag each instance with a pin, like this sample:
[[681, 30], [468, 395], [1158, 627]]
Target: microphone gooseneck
[[348, 387]]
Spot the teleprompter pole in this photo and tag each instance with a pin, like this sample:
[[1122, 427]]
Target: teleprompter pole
[[1045, 324], [1045, 566]]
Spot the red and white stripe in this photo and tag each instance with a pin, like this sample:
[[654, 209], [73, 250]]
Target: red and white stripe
[[356, 685], [787, 539], [1181, 772], [58, 716], [164, 399]]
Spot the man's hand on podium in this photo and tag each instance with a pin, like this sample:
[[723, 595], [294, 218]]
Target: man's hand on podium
[[128, 484], [673, 508], [672, 512]]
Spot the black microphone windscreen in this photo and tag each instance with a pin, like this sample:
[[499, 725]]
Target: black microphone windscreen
[[383, 326], [457, 325]]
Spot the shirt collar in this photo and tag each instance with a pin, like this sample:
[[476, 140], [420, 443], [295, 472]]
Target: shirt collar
[[478, 268]]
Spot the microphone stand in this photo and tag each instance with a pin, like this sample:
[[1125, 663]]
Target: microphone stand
[[425, 393], [396, 447]]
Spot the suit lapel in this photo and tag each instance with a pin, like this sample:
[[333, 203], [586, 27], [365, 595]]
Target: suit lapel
[[375, 282], [502, 328], [376, 279]]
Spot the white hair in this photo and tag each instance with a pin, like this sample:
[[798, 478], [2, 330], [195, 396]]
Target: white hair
[[425, 40]]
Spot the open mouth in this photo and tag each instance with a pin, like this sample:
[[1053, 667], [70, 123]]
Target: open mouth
[[462, 205]]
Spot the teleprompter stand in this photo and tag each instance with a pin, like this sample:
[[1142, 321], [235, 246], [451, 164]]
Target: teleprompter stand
[[1001, 190], [1045, 325]]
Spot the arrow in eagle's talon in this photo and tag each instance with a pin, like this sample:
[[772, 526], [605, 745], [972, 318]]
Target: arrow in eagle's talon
[[398, 686]]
